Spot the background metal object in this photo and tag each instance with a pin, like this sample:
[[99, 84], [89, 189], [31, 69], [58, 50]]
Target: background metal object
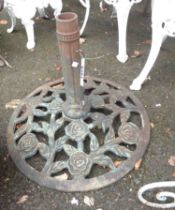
[[165, 199], [61, 149]]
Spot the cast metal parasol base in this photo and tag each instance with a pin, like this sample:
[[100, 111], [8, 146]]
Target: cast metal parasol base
[[78, 154]]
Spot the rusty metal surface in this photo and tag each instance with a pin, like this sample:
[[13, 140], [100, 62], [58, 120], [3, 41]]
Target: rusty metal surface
[[68, 35], [45, 144]]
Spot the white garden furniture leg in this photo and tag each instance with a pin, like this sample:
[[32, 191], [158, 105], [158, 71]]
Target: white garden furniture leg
[[86, 5], [122, 8], [163, 25], [158, 36], [28, 24], [25, 11]]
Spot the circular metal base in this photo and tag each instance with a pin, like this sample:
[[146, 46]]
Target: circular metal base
[[78, 154]]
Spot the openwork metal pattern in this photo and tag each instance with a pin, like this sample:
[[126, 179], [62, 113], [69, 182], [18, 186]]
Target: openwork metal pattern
[[45, 143]]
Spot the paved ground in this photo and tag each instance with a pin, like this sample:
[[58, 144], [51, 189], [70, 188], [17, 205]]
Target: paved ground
[[31, 69]]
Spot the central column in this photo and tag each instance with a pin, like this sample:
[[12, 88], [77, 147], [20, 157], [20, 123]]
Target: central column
[[68, 41]]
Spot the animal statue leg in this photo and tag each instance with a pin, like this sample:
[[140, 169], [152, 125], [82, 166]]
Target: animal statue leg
[[86, 4], [13, 20], [28, 24], [158, 36], [122, 9]]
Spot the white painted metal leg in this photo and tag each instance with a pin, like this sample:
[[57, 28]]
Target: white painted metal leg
[[28, 24], [83, 2], [86, 4], [122, 10], [158, 36]]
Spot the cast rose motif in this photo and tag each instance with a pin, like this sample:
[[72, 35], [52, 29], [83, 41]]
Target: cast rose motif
[[77, 130], [56, 105], [28, 144], [129, 133], [79, 164]]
